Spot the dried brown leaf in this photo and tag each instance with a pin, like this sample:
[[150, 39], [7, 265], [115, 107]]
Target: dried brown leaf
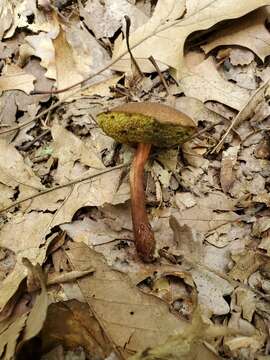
[[131, 319], [229, 158]]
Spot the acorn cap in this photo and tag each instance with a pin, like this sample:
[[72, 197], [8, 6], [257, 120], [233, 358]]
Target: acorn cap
[[147, 122]]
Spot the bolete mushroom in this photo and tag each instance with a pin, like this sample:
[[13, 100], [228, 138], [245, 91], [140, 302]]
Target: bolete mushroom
[[144, 124]]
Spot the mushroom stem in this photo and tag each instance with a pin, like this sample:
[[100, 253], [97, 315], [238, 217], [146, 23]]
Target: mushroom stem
[[143, 233]]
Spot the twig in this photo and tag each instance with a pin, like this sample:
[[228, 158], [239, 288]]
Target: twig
[[64, 277], [210, 127], [242, 115], [133, 60], [28, 145], [153, 61], [62, 186]]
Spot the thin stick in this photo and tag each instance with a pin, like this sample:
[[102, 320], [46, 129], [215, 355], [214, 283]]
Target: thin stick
[[62, 186], [133, 60], [242, 115], [210, 127], [153, 61], [32, 142]]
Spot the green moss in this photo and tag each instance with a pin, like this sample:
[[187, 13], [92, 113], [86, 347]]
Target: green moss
[[135, 128]]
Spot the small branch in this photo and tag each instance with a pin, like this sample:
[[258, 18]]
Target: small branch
[[133, 60], [32, 142], [243, 114], [62, 186], [153, 61], [198, 133], [64, 277]]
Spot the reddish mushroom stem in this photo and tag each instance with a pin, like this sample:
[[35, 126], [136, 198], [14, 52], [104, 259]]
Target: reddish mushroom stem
[[143, 233]]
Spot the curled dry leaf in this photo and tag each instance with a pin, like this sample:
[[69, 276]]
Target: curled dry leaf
[[167, 29], [249, 32]]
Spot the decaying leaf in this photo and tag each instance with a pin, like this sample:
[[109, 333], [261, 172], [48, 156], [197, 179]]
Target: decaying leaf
[[25, 235], [9, 337], [15, 173], [229, 158], [246, 263], [188, 345], [17, 331], [131, 319], [203, 82], [6, 13], [72, 324]]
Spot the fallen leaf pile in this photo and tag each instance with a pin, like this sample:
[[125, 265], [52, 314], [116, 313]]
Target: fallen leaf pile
[[71, 282]]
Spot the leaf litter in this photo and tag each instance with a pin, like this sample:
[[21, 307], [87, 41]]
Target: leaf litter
[[207, 294]]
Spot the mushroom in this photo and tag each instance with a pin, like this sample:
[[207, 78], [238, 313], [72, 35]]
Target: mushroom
[[144, 124]]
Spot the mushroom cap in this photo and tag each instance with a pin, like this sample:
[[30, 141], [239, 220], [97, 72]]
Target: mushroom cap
[[147, 122]]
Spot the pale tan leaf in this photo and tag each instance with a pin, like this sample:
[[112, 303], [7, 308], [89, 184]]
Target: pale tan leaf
[[203, 82], [249, 32], [102, 88], [246, 299], [204, 216], [104, 19], [14, 172], [77, 55], [188, 345], [66, 72], [37, 315], [9, 337], [211, 287], [163, 31], [211, 290], [14, 78], [196, 110], [41, 46], [41, 21], [69, 149], [6, 16], [24, 235], [241, 56], [246, 263]]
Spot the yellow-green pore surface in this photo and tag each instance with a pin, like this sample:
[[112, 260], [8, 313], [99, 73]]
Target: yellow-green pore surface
[[138, 128]]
